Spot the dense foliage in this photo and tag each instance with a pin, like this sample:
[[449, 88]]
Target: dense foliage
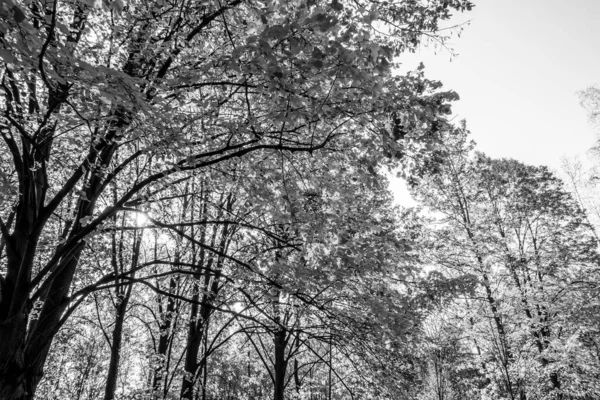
[[527, 248], [193, 187], [193, 205]]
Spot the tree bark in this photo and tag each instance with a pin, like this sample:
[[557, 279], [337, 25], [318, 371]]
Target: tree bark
[[199, 316], [201, 310], [115, 348], [163, 342], [280, 363]]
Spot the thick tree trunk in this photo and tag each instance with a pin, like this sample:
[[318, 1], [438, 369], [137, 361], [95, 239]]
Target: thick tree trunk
[[13, 380], [24, 343], [16, 378], [14, 385], [24, 348]]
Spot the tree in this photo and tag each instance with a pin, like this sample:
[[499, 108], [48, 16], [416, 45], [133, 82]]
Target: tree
[[590, 101], [582, 183], [581, 176], [524, 237]]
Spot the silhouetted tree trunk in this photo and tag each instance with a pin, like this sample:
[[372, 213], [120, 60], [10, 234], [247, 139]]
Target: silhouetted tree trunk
[[165, 324], [280, 339], [208, 275], [123, 294]]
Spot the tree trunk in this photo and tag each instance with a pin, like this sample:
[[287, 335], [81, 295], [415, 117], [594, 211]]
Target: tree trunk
[[163, 342], [23, 351], [16, 378], [199, 316], [123, 295], [297, 380], [25, 342], [201, 310], [115, 349], [280, 339], [280, 363]]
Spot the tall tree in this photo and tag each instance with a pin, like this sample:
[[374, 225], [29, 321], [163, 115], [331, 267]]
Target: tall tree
[[525, 238]]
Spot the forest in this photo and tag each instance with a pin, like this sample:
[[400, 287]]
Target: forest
[[195, 205]]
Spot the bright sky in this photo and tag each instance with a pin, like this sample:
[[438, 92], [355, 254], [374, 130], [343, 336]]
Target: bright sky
[[519, 67]]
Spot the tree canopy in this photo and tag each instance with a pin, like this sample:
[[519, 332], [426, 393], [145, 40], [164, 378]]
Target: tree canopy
[[194, 205]]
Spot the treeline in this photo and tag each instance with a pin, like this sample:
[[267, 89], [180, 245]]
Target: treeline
[[193, 205], [516, 260]]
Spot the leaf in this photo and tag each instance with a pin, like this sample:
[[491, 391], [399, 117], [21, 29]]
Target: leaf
[[18, 14], [336, 5], [85, 220], [277, 32], [7, 56], [117, 6], [294, 46], [317, 54], [316, 63]]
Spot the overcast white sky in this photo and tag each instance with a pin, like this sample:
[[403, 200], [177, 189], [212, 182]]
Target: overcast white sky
[[519, 66]]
